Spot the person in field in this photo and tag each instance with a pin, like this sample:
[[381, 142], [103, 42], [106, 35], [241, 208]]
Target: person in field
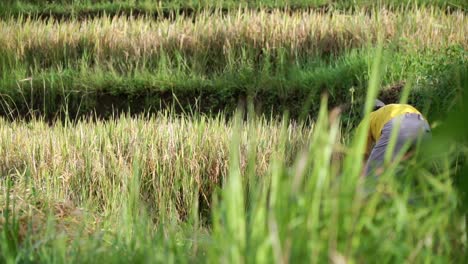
[[409, 125]]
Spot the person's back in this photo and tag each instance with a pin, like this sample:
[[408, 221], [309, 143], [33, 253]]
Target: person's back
[[410, 126], [380, 117]]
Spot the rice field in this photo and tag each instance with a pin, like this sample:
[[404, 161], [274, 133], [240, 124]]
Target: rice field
[[228, 135], [170, 151], [142, 190]]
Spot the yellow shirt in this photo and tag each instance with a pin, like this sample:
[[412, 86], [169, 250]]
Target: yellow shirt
[[380, 117]]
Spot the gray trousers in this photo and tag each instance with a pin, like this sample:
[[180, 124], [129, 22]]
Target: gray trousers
[[409, 128]]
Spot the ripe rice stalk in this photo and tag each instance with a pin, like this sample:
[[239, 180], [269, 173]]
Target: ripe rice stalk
[[89, 160]]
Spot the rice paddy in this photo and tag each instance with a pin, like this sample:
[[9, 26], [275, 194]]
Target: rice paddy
[[227, 134]]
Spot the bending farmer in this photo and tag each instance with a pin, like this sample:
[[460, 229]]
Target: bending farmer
[[409, 126]]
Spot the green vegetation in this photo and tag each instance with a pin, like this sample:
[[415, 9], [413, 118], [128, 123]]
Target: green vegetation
[[228, 134]]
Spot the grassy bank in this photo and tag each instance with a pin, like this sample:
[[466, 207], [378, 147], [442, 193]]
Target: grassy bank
[[73, 8], [104, 90]]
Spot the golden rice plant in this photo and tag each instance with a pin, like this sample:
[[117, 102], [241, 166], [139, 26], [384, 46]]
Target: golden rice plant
[[179, 158]]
